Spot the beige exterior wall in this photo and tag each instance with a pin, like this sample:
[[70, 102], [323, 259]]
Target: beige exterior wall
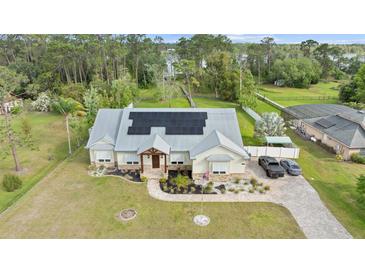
[[327, 140], [201, 165], [93, 158]]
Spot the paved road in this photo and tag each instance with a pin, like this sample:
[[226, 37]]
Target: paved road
[[295, 193]]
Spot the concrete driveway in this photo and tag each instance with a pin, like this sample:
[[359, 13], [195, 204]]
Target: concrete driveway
[[294, 193], [299, 197]]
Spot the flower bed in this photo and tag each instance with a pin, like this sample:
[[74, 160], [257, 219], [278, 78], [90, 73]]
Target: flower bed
[[183, 185], [103, 171]]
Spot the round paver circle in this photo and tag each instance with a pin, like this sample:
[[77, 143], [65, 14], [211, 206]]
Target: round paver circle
[[201, 220], [128, 214]]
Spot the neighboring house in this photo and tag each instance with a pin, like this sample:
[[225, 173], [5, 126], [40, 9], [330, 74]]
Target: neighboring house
[[339, 127], [203, 141]]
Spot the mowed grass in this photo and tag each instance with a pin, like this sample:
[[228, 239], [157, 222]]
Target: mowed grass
[[179, 102], [335, 182], [246, 123], [50, 139], [71, 204], [283, 95]]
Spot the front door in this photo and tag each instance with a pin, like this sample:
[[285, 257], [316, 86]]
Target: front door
[[155, 161]]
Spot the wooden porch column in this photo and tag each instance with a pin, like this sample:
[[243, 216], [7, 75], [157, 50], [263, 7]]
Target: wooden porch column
[[141, 162], [165, 165]]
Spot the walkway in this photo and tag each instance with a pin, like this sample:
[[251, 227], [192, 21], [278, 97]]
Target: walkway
[[294, 193]]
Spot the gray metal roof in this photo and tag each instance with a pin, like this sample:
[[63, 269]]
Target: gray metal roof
[[219, 158], [214, 139], [223, 120], [105, 127], [349, 131], [155, 141], [317, 110], [222, 128]]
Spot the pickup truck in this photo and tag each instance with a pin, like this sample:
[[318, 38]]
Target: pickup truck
[[271, 166]]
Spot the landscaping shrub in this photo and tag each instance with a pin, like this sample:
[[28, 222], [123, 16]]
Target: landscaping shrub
[[261, 190], [11, 182], [237, 181], [339, 157], [266, 187], [144, 179], [253, 182], [181, 181], [231, 189], [236, 191], [163, 180], [357, 158], [251, 190]]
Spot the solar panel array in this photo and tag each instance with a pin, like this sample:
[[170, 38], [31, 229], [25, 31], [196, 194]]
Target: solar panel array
[[176, 123], [325, 123]]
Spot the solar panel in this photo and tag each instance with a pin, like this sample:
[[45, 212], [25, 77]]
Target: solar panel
[[176, 123], [325, 123]]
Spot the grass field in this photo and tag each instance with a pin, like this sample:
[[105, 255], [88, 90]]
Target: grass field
[[50, 139], [146, 100], [71, 204], [335, 182], [283, 95], [247, 124]]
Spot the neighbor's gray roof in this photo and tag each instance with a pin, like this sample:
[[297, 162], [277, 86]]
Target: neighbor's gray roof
[[214, 139], [317, 110], [278, 140], [105, 127], [347, 128], [219, 158], [223, 120], [154, 141]]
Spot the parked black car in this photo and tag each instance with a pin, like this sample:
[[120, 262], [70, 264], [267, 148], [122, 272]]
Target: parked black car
[[291, 167], [271, 166]]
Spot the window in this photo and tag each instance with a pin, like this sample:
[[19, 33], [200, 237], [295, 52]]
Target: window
[[177, 158], [177, 162], [103, 156], [131, 158], [220, 168]]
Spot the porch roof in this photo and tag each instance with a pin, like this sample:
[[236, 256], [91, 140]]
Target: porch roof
[[155, 141]]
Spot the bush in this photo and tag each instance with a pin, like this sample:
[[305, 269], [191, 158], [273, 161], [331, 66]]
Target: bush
[[16, 110], [357, 158], [43, 103], [237, 181], [236, 191], [261, 190], [181, 181], [163, 180], [253, 182], [251, 190], [266, 187], [144, 179], [231, 189], [11, 182], [339, 157]]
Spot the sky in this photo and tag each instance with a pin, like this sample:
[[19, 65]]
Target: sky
[[279, 38]]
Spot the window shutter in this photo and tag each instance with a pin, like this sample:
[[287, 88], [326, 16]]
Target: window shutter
[[103, 155], [220, 166]]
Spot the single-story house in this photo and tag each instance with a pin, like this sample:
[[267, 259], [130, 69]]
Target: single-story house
[[340, 127], [205, 141]]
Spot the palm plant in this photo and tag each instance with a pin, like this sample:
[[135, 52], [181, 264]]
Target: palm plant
[[67, 107]]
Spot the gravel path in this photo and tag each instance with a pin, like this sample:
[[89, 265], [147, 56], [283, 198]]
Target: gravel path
[[295, 193]]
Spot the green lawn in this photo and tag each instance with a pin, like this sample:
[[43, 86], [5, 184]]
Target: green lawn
[[70, 204], [247, 124], [335, 182], [282, 95], [50, 138], [179, 102]]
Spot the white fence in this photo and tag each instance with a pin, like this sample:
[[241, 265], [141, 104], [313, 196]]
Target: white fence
[[280, 152]]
